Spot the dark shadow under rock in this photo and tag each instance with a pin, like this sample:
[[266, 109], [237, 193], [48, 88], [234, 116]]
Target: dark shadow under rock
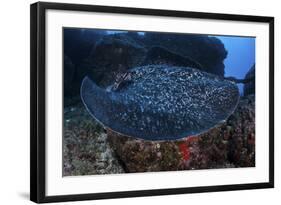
[[249, 88], [68, 70]]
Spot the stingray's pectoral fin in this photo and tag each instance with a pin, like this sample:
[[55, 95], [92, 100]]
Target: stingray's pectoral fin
[[96, 100]]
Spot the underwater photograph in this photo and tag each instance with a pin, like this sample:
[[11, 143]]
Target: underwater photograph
[[137, 101]]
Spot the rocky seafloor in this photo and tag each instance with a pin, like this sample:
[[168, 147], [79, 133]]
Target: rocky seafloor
[[85, 147], [90, 149]]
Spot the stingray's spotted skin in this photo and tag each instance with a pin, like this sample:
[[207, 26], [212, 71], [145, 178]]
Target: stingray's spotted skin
[[162, 102]]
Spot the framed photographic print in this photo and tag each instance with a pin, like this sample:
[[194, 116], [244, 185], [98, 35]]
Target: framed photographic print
[[129, 102]]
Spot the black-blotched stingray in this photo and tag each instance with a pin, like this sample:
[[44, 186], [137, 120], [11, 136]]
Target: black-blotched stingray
[[161, 102]]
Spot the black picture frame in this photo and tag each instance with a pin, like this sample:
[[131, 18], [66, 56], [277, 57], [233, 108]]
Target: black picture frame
[[38, 101]]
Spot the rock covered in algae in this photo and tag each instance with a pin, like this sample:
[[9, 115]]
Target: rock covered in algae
[[232, 144], [160, 102]]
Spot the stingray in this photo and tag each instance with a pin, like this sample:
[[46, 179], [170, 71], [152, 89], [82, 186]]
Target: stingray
[[161, 102]]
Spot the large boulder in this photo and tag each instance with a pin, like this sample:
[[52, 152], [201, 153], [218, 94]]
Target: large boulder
[[249, 88], [206, 50], [111, 56]]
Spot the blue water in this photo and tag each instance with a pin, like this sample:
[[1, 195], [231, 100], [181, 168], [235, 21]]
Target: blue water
[[241, 56]]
